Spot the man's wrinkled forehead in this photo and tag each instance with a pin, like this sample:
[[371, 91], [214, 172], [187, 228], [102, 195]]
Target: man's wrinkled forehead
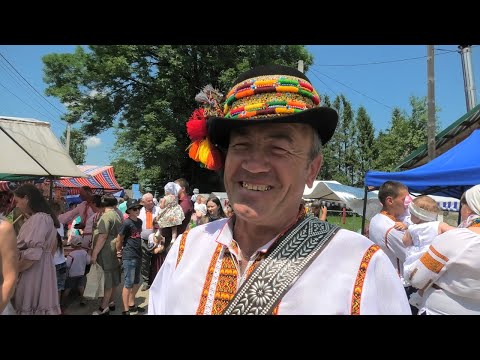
[[268, 131]]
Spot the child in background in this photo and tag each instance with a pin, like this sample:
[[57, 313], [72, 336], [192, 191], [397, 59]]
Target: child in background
[[77, 260], [420, 234], [171, 213], [200, 217], [59, 256], [129, 252], [156, 242], [423, 212]]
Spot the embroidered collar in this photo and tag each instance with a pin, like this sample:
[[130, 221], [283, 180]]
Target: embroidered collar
[[390, 216], [225, 236]]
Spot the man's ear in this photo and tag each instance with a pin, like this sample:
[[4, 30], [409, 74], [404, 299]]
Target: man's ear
[[313, 169]]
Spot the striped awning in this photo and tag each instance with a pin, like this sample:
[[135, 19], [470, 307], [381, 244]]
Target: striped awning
[[12, 185], [100, 177], [4, 185]]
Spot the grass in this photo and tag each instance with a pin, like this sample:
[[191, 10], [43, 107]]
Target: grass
[[353, 222]]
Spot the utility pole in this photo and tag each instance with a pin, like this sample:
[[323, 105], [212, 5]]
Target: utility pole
[[468, 79], [300, 65], [67, 141], [431, 102]]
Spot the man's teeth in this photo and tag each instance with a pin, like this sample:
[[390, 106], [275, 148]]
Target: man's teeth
[[256, 187]]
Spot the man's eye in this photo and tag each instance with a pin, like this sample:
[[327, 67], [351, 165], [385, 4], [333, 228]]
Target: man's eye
[[239, 146], [279, 150]]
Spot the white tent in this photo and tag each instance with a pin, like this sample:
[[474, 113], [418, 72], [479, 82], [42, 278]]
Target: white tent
[[29, 147], [352, 197]]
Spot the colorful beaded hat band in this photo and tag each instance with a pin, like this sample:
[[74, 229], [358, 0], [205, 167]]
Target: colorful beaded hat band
[[270, 95], [263, 94]]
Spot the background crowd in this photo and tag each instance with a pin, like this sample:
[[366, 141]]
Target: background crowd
[[49, 250]]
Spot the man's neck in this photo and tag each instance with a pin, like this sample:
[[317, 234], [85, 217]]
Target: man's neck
[[250, 237], [389, 214]]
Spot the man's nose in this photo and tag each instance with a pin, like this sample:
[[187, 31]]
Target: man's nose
[[257, 161]]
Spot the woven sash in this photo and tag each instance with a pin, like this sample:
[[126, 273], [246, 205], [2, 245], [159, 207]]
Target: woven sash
[[276, 274]]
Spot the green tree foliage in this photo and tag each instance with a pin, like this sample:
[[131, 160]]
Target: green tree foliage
[[364, 145], [77, 148], [405, 135], [126, 172], [339, 153], [148, 92]]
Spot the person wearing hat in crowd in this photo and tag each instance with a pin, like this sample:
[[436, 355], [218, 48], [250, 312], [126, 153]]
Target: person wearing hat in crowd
[[270, 257], [129, 252]]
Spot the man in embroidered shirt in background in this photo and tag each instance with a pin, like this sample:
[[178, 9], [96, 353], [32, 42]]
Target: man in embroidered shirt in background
[[270, 257], [387, 230], [148, 212]]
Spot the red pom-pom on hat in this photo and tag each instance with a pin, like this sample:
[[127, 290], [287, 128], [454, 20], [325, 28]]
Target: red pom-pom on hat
[[197, 125]]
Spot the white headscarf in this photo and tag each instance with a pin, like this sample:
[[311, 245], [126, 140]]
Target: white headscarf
[[472, 196], [422, 214], [172, 188], [202, 208]]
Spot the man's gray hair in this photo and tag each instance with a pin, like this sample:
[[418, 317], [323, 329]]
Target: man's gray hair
[[316, 145], [146, 195]]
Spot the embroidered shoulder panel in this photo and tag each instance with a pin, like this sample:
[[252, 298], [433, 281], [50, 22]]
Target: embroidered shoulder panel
[[360, 279], [262, 291]]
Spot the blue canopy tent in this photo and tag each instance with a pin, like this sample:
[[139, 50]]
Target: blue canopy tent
[[450, 174]]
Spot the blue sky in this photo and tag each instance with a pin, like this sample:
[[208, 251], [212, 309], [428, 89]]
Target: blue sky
[[337, 69]]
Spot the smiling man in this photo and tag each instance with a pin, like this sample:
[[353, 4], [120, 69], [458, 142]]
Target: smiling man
[[270, 257]]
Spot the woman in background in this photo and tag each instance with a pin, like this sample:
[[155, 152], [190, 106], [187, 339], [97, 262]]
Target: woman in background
[[36, 292], [215, 210]]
